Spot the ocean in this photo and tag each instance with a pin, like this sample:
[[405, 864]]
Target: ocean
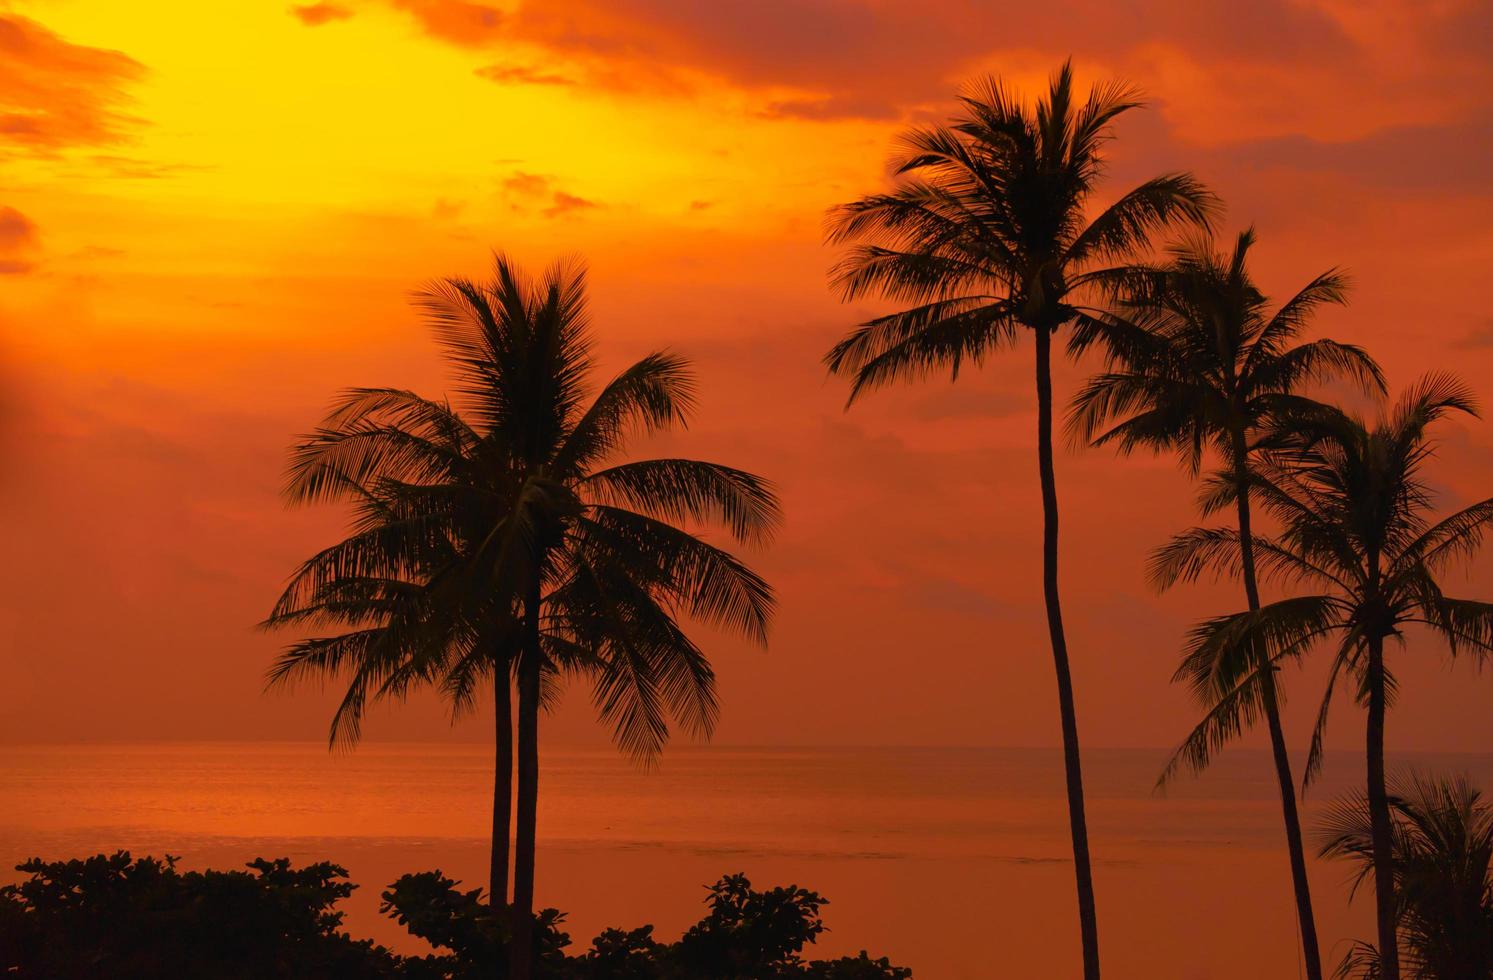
[[954, 862]]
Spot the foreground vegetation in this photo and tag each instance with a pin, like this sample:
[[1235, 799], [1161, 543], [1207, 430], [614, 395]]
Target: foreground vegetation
[[142, 919], [1442, 864]]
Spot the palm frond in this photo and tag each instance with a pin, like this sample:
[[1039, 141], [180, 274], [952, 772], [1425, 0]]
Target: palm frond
[[692, 490]]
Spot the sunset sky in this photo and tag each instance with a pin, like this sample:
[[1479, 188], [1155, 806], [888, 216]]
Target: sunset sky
[[212, 216]]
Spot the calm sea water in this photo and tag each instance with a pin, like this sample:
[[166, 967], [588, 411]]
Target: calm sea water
[[951, 861]]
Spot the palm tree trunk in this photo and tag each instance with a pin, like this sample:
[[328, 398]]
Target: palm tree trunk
[[502, 781], [1309, 950], [1379, 819], [521, 944], [1087, 918]]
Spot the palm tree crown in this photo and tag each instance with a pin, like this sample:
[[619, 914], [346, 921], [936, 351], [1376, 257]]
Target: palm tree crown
[[452, 505], [1196, 357], [988, 229]]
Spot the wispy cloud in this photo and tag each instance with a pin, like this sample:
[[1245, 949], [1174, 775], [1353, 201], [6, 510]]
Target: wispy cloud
[[56, 94], [563, 203], [521, 75], [528, 191]]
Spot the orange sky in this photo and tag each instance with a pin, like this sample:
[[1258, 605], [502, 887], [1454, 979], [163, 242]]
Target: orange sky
[[211, 216]]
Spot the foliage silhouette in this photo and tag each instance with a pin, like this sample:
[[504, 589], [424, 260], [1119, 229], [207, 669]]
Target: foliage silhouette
[[1353, 506], [751, 934], [112, 916], [1443, 870], [502, 532], [985, 234], [137, 919], [1197, 362]]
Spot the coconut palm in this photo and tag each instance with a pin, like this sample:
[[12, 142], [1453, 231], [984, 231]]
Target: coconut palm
[[500, 535], [1197, 362], [1443, 870], [1353, 504], [987, 232]]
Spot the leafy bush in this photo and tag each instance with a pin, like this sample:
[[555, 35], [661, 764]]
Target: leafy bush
[[111, 916]]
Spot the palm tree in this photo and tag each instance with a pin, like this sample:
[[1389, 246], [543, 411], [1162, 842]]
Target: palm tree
[[1353, 505], [1443, 872], [1197, 361], [501, 535], [984, 234]]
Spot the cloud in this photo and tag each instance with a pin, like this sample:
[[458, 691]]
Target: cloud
[[1228, 71], [521, 75], [973, 398], [526, 184], [1478, 338], [316, 14], [137, 169], [18, 238], [563, 203], [945, 595], [854, 58], [457, 21], [55, 94], [1452, 157], [539, 190], [447, 210]]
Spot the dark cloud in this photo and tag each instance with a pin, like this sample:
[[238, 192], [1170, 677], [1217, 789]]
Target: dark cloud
[[1452, 157], [316, 14], [857, 58], [55, 94]]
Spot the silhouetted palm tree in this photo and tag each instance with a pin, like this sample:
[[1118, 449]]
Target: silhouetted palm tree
[[986, 233], [1443, 871], [1197, 361], [1353, 507], [498, 536]]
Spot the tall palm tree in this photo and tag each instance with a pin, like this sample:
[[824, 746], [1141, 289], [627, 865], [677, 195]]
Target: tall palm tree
[[1197, 361], [1443, 871], [1353, 505], [987, 232], [503, 535]]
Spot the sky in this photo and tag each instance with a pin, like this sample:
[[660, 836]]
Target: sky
[[212, 217]]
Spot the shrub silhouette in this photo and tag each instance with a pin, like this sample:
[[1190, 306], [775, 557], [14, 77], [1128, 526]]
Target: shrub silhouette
[[131, 919], [112, 916]]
